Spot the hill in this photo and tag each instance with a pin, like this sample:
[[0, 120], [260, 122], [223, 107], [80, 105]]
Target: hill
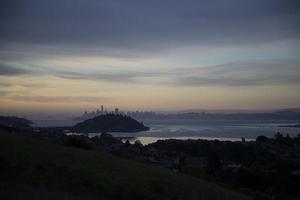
[[33, 169], [15, 122], [110, 123]]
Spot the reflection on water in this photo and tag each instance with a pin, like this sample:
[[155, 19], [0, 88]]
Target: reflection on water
[[232, 130], [149, 140]]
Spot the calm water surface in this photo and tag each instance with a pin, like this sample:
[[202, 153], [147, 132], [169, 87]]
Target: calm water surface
[[232, 130]]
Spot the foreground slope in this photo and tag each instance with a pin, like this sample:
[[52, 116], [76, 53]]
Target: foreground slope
[[32, 169]]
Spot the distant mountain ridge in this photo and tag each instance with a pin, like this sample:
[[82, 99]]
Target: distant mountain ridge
[[240, 111], [278, 114]]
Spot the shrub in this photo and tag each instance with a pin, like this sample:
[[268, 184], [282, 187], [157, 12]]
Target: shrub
[[78, 142]]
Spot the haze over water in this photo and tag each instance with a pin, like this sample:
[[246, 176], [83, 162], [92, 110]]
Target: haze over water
[[232, 130]]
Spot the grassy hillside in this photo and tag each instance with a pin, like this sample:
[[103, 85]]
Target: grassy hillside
[[32, 169]]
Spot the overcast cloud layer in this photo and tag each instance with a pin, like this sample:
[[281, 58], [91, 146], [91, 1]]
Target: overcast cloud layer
[[148, 24], [117, 45]]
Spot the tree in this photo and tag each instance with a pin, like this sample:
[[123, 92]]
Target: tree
[[213, 162], [262, 139], [138, 143], [127, 144], [78, 142], [279, 137]]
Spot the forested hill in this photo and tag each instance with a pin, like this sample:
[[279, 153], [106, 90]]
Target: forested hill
[[15, 122], [110, 123]]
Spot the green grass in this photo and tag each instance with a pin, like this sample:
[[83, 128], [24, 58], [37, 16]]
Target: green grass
[[32, 169]]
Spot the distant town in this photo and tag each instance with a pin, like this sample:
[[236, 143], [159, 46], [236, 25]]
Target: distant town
[[103, 111], [197, 114]]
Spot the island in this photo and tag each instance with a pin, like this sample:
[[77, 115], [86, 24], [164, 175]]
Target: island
[[110, 123]]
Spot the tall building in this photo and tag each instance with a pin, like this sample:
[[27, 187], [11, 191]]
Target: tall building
[[102, 108], [116, 110]]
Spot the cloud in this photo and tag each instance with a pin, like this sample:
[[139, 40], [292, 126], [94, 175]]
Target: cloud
[[126, 76], [36, 30], [240, 74], [281, 72], [4, 93], [138, 26], [10, 70], [8, 88], [58, 99]]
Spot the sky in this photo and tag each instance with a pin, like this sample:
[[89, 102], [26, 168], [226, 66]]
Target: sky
[[75, 55]]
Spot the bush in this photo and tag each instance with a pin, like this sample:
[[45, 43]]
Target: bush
[[78, 142]]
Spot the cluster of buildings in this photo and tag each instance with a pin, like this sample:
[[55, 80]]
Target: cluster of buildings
[[101, 111]]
